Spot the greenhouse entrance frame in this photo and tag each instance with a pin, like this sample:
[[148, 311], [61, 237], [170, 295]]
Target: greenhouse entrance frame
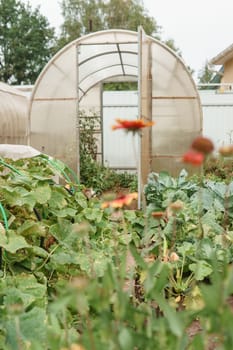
[[143, 67]]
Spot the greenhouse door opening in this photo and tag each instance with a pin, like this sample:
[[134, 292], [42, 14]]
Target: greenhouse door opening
[[120, 151]]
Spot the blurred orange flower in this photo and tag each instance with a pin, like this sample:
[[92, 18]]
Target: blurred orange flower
[[226, 151], [120, 201], [131, 125], [158, 214], [202, 144], [193, 157]]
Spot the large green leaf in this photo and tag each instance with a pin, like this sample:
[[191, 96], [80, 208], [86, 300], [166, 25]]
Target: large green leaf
[[64, 213], [201, 269], [187, 249], [24, 290], [18, 196], [205, 249], [29, 329], [219, 188], [210, 225], [42, 193], [63, 258], [13, 242], [61, 230], [93, 214], [30, 227], [81, 199], [57, 199], [68, 234]]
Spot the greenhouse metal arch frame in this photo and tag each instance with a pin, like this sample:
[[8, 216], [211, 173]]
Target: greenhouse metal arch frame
[[167, 95]]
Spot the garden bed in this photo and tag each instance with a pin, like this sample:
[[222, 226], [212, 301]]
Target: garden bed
[[79, 273]]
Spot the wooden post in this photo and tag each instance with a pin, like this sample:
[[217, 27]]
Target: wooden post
[[145, 109]]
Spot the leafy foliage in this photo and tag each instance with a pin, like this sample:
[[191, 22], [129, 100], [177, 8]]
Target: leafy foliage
[[161, 189], [82, 17], [219, 169], [76, 276], [26, 42], [209, 75]]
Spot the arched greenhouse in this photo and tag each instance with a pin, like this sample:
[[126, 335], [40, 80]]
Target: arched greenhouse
[[13, 116], [73, 80]]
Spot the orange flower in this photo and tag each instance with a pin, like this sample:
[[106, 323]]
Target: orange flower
[[203, 145], [131, 125], [193, 157], [158, 214], [120, 201]]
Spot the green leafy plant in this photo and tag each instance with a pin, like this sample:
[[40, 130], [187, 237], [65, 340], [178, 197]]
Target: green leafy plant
[[219, 168], [76, 276]]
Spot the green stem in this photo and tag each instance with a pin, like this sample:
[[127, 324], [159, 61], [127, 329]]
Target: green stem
[[4, 217], [200, 209], [10, 167], [47, 258]]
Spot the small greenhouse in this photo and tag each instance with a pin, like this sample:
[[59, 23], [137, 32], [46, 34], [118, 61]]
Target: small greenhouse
[[13, 116], [73, 80]]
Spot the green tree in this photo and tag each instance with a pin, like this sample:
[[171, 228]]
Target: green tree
[[205, 75], [171, 43], [26, 42], [84, 16], [208, 75]]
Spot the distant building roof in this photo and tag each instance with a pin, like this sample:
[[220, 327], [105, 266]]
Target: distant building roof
[[223, 56]]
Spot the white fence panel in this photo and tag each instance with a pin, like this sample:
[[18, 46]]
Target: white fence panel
[[120, 151], [217, 116]]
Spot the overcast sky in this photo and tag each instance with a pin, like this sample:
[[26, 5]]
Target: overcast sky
[[200, 28]]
